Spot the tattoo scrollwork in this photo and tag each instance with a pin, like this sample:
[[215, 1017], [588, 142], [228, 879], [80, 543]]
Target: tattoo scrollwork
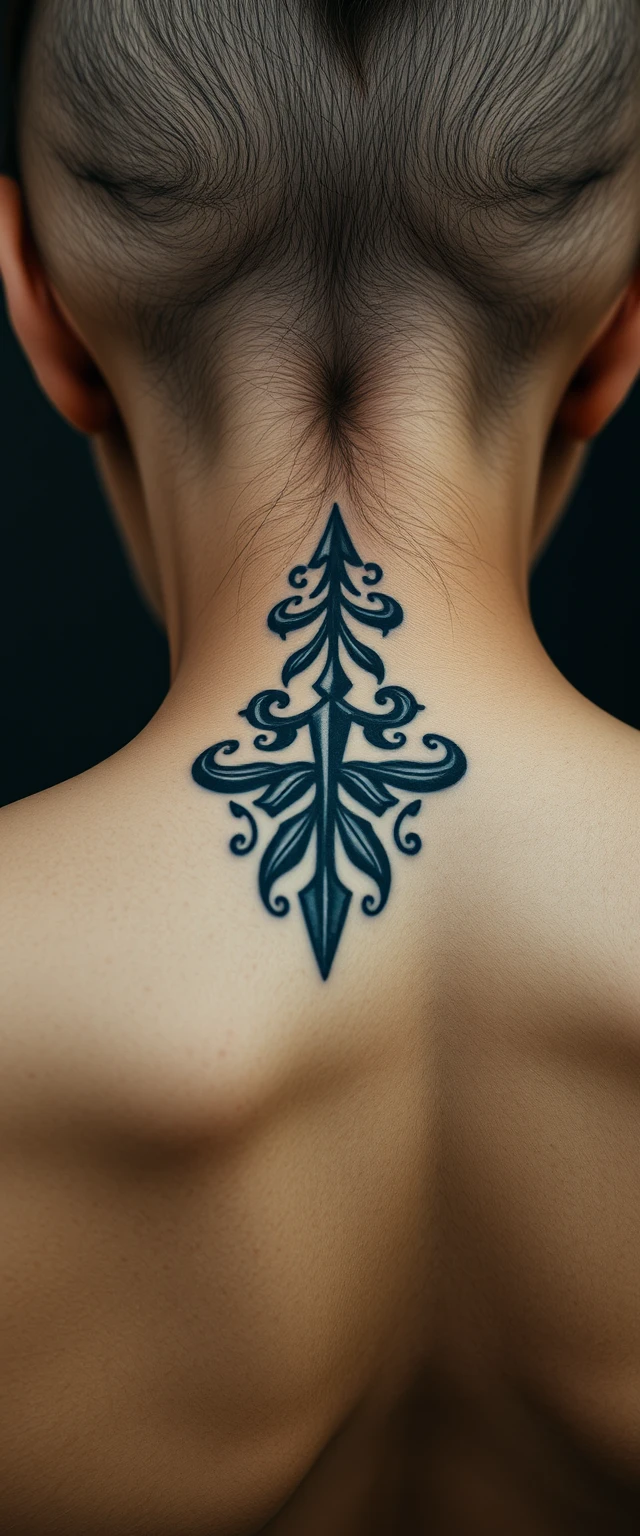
[[330, 608]]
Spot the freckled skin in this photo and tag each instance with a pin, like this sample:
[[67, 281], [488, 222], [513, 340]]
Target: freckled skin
[[288, 1255], [319, 1165]]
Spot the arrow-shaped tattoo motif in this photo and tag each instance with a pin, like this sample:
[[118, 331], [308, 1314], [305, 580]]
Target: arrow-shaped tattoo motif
[[331, 607]]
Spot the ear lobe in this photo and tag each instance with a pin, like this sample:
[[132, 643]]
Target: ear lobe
[[607, 373], [59, 359]]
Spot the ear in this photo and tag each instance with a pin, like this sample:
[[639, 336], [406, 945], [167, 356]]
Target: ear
[[59, 358], [608, 371]]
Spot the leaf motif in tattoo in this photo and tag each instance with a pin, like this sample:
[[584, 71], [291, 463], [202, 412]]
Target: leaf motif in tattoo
[[333, 604]]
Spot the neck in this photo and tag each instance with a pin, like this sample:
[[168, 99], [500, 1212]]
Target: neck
[[451, 522]]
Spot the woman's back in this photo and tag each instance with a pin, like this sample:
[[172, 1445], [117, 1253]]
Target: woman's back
[[376, 1236], [319, 1051]]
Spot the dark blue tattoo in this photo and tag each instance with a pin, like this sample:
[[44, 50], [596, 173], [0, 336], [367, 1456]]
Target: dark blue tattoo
[[334, 601]]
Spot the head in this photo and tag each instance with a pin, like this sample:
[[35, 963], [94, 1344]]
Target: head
[[331, 218]]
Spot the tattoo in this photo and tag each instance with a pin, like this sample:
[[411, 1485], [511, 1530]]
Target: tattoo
[[334, 601]]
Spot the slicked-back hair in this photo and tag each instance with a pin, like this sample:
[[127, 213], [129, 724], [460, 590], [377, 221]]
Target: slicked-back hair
[[326, 169]]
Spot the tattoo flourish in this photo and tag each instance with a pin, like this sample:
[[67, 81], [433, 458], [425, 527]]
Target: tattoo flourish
[[334, 601]]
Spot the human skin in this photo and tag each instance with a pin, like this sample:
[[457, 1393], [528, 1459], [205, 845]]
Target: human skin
[[291, 1255]]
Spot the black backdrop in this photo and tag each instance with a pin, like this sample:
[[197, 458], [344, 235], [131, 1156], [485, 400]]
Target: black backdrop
[[83, 666]]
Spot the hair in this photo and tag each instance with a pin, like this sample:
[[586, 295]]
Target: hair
[[322, 170]]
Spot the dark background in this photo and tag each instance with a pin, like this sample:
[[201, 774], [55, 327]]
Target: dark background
[[84, 666]]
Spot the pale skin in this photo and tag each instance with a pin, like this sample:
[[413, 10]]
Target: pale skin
[[359, 1256]]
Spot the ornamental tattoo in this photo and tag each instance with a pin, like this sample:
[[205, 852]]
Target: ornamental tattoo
[[329, 607]]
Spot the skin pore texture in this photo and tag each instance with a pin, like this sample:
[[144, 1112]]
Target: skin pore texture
[[307, 1229]]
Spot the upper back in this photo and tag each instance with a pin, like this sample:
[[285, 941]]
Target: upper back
[[244, 1205]]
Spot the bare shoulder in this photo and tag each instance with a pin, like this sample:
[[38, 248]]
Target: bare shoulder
[[117, 943], [138, 960], [559, 839]]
